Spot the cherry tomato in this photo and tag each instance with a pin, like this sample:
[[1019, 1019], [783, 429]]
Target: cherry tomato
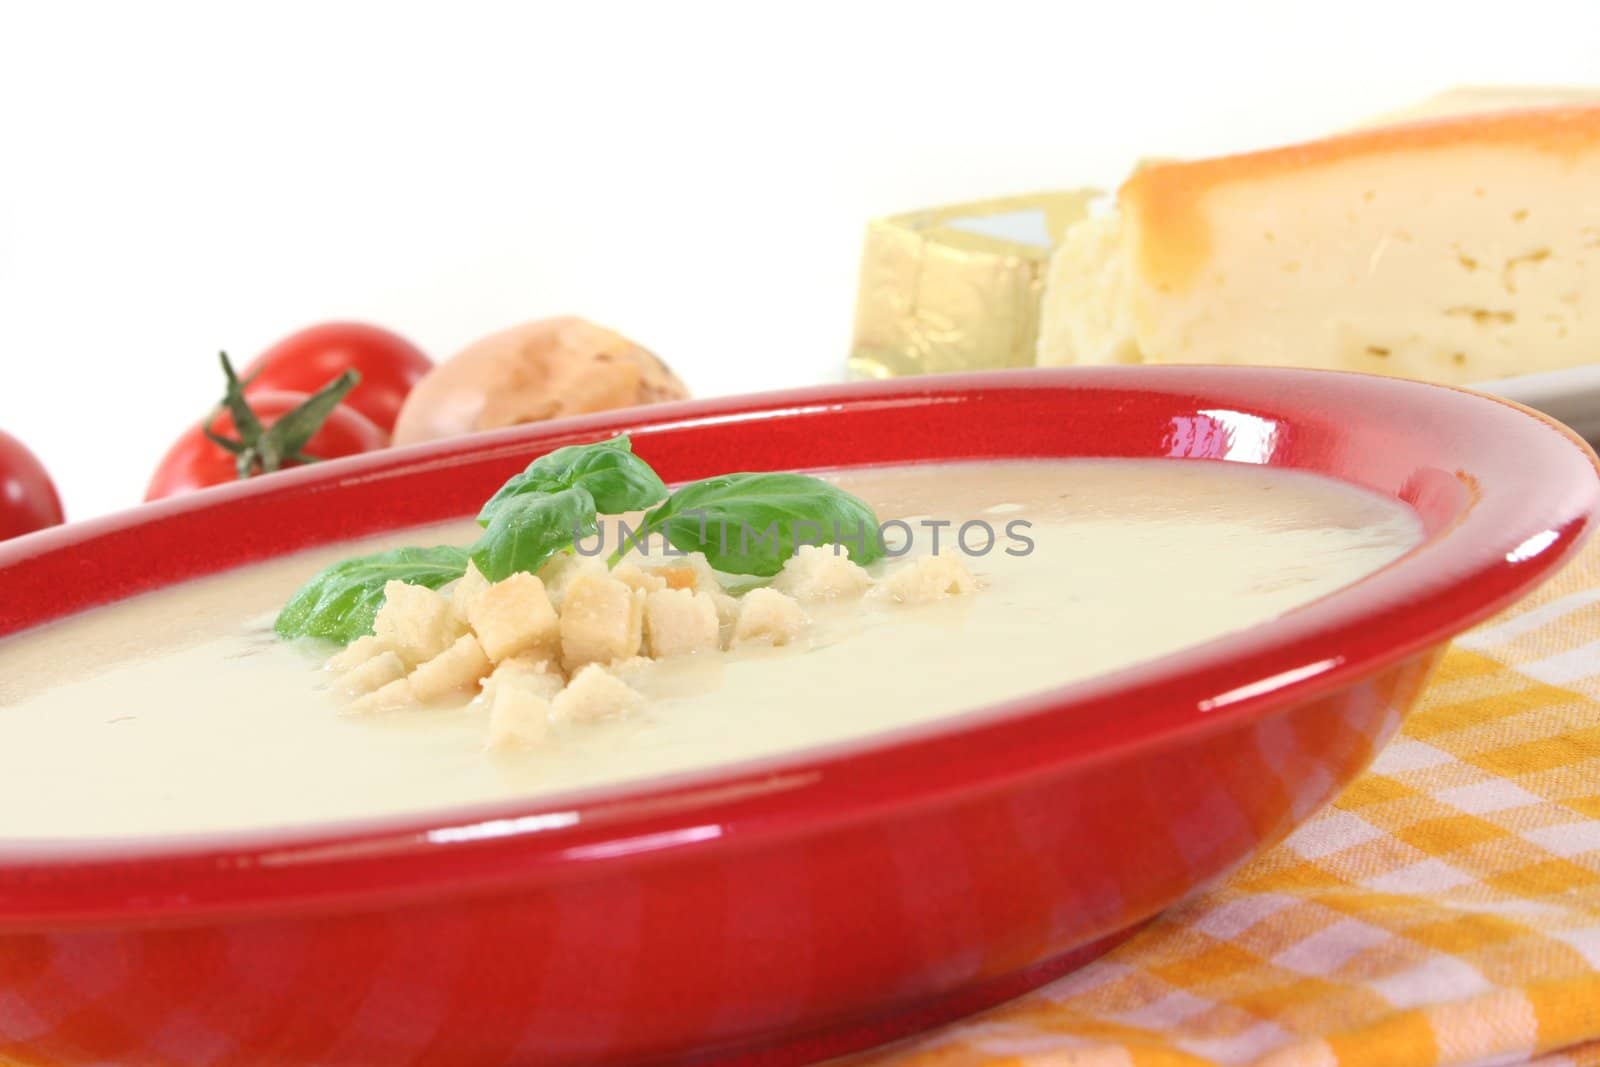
[[303, 362], [28, 499], [195, 461]]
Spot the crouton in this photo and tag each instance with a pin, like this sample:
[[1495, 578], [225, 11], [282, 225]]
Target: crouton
[[815, 572], [680, 621], [357, 652], [595, 693], [927, 579], [635, 577], [513, 617], [635, 671], [690, 570], [519, 708], [518, 718], [562, 569], [727, 616], [456, 668], [601, 620], [543, 675], [416, 622], [768, 617], [679, 577], [397, 694], [374, 674], [466, 592]]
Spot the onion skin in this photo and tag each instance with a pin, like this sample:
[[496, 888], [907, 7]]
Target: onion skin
[[540, 370]]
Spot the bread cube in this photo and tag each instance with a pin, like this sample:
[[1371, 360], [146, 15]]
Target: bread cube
[[727, 616], [519, 707], [601, 620], [706, 578], [689, 570], [454, 670], [821, 572], [416, 622], [635, 671], [565, 567], [924, 580], [595, 693], [514, 617], [680, 621], [466, 592], [518, 718], [768, 617], [397, 694], [542, 675], [374, 674], [357, 652], [678, 577], [635, 577]]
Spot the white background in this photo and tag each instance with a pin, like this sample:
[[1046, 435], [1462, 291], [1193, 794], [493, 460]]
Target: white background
[[179, 178]]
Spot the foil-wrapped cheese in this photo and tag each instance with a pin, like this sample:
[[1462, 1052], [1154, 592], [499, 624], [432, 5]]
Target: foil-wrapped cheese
[[957, 288]]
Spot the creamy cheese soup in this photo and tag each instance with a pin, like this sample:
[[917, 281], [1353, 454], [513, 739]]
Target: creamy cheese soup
[[181, 712]]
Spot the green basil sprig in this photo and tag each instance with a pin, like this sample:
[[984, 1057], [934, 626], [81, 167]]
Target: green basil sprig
[[615, 479], [751, 523], [559, 499], [341, 602], [524, 531], [746, 524]]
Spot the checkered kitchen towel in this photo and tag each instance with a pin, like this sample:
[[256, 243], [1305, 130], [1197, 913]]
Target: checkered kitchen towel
[[1444, 910]]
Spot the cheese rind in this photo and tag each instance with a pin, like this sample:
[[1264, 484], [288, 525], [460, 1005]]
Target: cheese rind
[[1458, 250], [1481, 99]]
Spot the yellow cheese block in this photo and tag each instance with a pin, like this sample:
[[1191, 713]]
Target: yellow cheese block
[[1478, 99], [1459, 249], [958, 287]]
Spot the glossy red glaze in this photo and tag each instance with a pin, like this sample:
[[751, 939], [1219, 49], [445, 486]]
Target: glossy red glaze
[[791, 908]]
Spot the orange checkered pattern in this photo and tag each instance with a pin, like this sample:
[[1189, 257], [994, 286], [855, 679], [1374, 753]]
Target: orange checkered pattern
[[1444, 910]]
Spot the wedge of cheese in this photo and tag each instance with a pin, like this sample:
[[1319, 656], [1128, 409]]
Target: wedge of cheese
[[1481, 99], [1457, 249]]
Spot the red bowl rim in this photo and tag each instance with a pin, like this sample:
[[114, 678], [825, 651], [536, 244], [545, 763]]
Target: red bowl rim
[[1543, 506]]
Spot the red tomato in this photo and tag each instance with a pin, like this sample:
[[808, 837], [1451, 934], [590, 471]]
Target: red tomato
[[304, 362], [194, 461], [28, 499]]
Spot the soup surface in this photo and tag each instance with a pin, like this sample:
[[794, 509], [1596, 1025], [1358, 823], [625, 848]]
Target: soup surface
[[181, 712]]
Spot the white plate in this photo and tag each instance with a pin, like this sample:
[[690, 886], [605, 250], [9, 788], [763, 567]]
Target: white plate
[[1572, 395]]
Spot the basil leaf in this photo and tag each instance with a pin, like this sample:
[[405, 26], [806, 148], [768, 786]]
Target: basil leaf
[[752, 523], [526, 530], [340, 602], [617, 479]]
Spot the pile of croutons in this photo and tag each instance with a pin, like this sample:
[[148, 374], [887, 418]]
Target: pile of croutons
[[552, 647]]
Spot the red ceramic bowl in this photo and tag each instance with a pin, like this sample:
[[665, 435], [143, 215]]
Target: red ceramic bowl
[[797, 907]]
